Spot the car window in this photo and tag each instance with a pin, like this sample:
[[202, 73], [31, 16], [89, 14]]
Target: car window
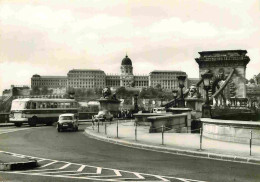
[[66, 118]]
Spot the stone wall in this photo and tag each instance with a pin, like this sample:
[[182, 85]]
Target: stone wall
[[231, 130]]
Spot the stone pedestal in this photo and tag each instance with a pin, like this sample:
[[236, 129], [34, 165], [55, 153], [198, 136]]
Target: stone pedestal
[[111, 105], [195, 104]]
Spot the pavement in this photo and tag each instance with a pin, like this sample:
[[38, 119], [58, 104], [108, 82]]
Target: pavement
[[172, 142], [10, 162]]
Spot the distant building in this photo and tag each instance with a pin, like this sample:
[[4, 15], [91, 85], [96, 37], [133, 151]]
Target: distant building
[[166, 79], [95, 78], [86, 78], [48, 81]]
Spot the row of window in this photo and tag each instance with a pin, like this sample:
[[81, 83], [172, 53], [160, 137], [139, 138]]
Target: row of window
[[40, 105]]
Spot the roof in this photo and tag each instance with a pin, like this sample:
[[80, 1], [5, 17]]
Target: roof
[[126, 61], [67, 114], [43, 99], [52, 77], [223, 51], [86, 70], [167, 71]]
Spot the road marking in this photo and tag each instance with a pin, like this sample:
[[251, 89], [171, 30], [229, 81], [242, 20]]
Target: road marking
[[65, 166], [117, 173], [159, 177], [99, 169], [96, 175], [81, 168], [3, 131], [49, 164], [41, 160], [139, 176]]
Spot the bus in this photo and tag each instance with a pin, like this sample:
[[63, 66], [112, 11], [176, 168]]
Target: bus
[[40, 110]]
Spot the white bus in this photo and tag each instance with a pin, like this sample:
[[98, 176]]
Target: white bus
[[37, 110]]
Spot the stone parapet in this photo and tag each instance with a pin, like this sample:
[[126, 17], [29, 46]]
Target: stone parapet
[[231, 130]]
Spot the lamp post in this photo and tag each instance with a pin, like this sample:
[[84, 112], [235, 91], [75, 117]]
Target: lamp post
[[206, 108], [181, 80], [135, 103], [175, 92]]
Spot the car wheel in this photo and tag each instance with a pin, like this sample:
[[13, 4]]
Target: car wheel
[[76, 128], [111, 119]]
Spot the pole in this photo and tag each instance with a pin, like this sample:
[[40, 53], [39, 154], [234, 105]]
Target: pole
[[98, 126], [117, 129], [135, 131], [250, 142], [162, 135], [200, 138], [105, 128]]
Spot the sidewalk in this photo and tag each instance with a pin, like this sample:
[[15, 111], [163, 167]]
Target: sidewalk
[[6, 124], [9, 161], [181, 143]]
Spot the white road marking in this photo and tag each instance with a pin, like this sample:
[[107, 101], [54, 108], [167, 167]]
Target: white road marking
[[77, 173], [41, 160], [117, 173], [65, 166], [99, 169], [159, 177], [139, 176], [49, 164], [81, 168], [12, 130]]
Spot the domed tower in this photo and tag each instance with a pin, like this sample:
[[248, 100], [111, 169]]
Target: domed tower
[[126, 77]]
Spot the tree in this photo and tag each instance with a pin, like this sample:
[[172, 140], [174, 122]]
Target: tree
[[252, 81], [35, 91]]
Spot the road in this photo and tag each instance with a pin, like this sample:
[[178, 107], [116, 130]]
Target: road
[[73, 156]]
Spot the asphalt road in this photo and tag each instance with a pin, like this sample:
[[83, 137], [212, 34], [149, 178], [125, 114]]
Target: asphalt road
[[62, 153]]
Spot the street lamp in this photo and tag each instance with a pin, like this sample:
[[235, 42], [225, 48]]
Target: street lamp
[[181, 80], [175, 93], [206, 108], [135, 103]]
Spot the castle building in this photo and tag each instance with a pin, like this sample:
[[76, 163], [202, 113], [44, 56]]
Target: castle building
[[86, 78], [95, 78], [48, 81]]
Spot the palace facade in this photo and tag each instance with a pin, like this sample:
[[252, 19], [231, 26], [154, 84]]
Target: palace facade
[[95, 78]]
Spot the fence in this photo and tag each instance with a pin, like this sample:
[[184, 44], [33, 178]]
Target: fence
[[131, 131]]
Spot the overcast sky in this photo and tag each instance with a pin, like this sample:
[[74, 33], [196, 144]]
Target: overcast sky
[[50, 37]]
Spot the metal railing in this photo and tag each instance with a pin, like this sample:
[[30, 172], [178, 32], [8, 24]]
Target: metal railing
[[102, 127]]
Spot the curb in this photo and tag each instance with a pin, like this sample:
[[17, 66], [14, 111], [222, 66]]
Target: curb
[[190, 153], [18, 165], [6, 125]]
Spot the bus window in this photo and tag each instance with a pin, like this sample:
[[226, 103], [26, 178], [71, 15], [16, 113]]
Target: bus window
[[33, 105], [55, 104], [18, 105], [48, 105], [67, 105], [28, 105]]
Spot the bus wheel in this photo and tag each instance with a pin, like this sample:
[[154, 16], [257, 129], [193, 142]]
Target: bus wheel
[[33, 121], [18, 124]]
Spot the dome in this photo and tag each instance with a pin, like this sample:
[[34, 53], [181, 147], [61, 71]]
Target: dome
[[126, 61]]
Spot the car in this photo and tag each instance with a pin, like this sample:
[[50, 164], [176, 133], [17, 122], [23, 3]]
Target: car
[[159, 110], [68, 121], [103, 116]]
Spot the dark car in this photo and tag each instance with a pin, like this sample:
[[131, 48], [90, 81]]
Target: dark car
[[67, 121], [103, 116]]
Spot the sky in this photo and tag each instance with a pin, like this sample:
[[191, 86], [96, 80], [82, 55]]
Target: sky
[[51, 37]]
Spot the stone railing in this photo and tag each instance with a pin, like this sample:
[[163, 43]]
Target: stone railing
[[231, 130], [179, 122]]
